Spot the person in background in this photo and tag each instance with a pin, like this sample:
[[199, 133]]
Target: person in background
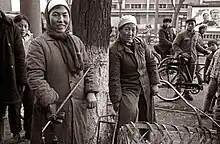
[[202, 31], [166, 37], [214, 86], [28, 99], [185, 46], [113, 34], [133, 75], [211, 97], [55, 63], [12, 76]]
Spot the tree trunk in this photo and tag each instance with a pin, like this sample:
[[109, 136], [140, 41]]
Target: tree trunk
[[31, 8], [91, 22], [176, 12]]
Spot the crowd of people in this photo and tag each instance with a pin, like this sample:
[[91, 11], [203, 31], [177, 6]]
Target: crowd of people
[[38, 73]]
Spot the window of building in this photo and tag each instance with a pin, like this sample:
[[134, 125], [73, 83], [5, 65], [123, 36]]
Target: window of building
[[162, 5], [135, 5], [127, 6], [151, 6], [169, 6], [114, 6], [185, 6], [144, 6]]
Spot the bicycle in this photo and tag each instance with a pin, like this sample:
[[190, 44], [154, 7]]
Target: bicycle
[[170, 71]]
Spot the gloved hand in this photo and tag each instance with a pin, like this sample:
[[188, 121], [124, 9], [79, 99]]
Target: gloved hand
[[185, 56], [207, 52], [116, 106]]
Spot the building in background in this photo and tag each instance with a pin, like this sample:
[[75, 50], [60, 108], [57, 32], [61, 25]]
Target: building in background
[[144, 11]]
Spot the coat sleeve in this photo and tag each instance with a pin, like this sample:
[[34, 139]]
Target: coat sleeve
[[36, 70], [215, 65], [152, 67], [199, 48], [115, 91], [19, 57], [207, 64], [176, 45], [91, 80]]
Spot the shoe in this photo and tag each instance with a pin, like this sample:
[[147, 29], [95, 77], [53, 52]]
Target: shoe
[[15, 139], [188, 97]]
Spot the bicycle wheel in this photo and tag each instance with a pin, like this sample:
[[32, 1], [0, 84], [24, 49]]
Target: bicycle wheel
[[165, 61], [170, 75]]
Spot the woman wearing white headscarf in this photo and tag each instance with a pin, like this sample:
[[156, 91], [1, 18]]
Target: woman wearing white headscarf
[[133, 75], [56, 61]]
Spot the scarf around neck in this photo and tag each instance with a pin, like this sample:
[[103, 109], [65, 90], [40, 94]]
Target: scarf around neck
[[69, 51]]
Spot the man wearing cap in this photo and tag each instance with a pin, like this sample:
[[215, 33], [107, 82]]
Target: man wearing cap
[[186, 45], [166, 37]]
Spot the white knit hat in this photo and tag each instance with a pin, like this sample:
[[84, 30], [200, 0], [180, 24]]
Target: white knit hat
[[127, 19], [54, 3]]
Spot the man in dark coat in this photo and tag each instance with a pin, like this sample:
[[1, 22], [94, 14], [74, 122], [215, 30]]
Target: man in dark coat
[[186, 45], [12, 74], [166, 37]]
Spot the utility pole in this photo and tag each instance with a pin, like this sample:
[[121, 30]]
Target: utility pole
[[120, 7], [156, 17], [31, 9]]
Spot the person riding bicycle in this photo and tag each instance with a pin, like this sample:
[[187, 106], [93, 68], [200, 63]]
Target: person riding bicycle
[[186, 44], [210, 97], [166, 37]]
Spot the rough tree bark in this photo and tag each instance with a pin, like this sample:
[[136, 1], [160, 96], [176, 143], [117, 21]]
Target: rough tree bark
[[176, 11], [91, 22]]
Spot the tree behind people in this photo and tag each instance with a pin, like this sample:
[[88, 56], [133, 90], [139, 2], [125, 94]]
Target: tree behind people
[[91, 22]]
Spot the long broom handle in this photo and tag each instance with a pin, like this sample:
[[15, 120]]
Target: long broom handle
[[66, 99]]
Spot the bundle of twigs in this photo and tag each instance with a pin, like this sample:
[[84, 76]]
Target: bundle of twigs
[[164, 134]]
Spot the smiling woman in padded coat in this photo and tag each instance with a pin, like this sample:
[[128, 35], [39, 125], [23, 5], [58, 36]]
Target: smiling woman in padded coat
[[55, 63], [133, 75]]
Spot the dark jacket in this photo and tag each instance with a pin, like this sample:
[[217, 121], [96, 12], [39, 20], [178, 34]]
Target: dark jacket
[[12, 61], [51, 81], [166, 37], [188, 42], [130, 74]]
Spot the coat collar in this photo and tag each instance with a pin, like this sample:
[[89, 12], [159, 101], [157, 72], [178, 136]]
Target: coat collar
[[47, 37], [123, 47]]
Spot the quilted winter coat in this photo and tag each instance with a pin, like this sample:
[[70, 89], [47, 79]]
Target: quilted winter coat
[[132, 74], [51, 81]]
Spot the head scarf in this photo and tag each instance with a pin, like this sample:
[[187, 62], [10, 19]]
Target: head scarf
[[70, 52], [127, 19]]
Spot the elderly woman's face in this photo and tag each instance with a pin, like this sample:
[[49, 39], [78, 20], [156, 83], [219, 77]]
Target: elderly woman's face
[[128, 32], [59, 19]]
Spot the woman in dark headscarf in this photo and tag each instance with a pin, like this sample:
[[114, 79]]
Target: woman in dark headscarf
[[55, 63]]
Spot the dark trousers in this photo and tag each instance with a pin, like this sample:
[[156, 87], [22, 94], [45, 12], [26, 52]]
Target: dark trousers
[[217, 118], [210, 96], [28, 103], [13, 116]]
